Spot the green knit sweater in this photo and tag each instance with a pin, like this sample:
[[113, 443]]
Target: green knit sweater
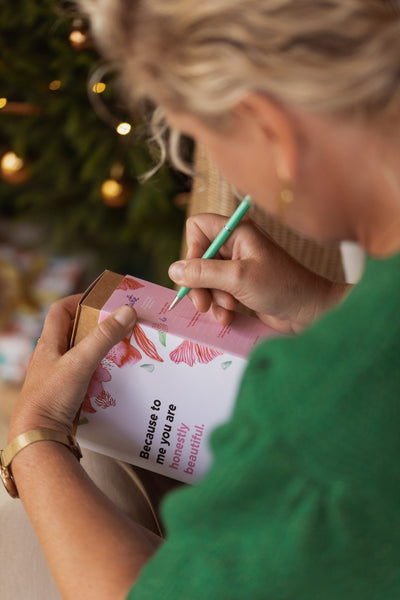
[[303, 499]]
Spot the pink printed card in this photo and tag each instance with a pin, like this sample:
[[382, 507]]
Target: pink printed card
[[157, 396]]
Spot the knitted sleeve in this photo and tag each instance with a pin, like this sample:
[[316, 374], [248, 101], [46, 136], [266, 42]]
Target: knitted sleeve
[[302, 501]]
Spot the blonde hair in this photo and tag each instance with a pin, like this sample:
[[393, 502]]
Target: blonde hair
[[204, 56]]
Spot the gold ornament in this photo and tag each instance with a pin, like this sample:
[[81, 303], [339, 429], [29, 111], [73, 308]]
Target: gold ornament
[[13, 169], [115, 191]]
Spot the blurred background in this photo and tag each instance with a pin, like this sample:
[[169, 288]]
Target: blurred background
[[71, 156]]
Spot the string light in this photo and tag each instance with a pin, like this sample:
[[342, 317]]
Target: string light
[[11, 162], [115, 194], [3, 102], [77, 37], [95, 88], [55, 85], [123, 128], [99, 87], [13, 169], [111, 188]]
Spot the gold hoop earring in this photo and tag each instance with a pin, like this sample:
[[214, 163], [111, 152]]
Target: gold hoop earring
[[285, 196]]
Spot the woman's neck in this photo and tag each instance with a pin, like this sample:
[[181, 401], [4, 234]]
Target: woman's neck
[[376, 213], [380, 235]]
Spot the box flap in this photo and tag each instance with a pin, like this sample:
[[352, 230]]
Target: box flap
[[92, 301]]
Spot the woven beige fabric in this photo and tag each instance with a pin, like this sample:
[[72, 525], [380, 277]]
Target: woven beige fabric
[[211, 193]]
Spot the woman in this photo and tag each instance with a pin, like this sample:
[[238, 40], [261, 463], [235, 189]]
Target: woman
[[297, 102]]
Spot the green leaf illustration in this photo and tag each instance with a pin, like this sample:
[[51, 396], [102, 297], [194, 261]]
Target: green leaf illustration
[[226, 365], [149, 368], [162, 336]]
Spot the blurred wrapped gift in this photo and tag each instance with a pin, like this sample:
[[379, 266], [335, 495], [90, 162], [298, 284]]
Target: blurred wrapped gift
[[29, 282]]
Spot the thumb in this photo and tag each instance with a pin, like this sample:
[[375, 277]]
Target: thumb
[[93, 348], [222, 275]]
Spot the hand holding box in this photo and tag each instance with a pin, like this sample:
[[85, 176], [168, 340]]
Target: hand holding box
[[157, 396]]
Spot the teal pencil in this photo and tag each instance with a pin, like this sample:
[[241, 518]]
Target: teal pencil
[[217, 243]]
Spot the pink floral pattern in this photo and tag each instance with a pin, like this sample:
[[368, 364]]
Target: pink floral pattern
[[128, 283], [95, 389], [191, 353], [145, 344], [124, 354], [104, 400]]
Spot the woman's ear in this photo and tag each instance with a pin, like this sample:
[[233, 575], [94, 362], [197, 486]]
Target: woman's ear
[[280, 130]]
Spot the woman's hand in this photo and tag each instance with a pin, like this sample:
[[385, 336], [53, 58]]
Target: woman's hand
[[253, 270], [113, 549], [58, 377]]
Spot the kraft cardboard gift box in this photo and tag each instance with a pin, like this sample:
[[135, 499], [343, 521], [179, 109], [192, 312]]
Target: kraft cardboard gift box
[[157, 396]]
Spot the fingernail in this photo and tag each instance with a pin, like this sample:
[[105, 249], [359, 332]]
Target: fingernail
[[176, 270], [125, 315]]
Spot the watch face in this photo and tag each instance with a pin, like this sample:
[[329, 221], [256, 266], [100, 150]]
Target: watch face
[[8, 482]]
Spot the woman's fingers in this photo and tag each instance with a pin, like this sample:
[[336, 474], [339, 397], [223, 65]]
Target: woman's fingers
[[201, 231], [223, 275], [92, 349], [201, 299], [222, 281], [55, 384], [220, 301], [58, 325], [222, 315]]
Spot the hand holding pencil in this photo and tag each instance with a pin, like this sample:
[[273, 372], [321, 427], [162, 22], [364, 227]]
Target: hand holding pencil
[[221, 238], [251, 270]]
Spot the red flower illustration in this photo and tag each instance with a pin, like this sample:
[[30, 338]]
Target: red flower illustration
[[95, 388], [104, 400], [124, 354], [190, 353], [87, 405], [145, 344], [128, 283]]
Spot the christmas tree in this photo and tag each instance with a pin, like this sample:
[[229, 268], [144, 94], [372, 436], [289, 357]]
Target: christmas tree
[[63, 163]]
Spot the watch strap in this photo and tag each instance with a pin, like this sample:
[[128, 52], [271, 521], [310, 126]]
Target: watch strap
[[38, 435], [25, 439]]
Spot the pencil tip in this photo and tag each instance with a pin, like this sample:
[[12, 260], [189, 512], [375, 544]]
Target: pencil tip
[[174, 303]]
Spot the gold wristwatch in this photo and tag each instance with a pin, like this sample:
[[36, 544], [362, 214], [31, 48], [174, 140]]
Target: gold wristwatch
[[25, 439]]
